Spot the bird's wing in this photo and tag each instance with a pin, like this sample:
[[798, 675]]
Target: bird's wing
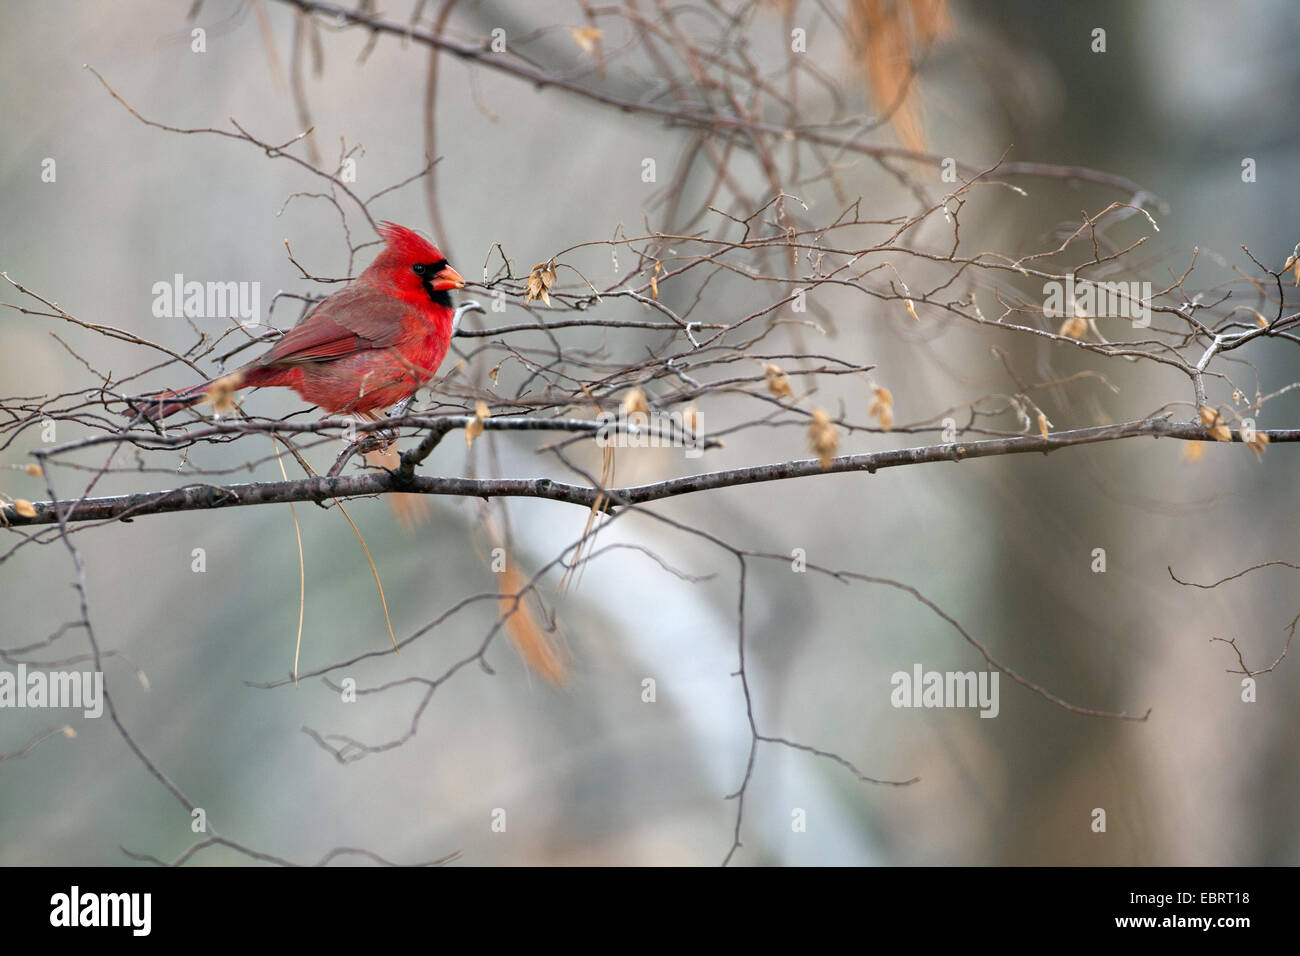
[[351, 320]]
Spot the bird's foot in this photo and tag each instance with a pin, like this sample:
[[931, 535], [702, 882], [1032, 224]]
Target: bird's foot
[[380, 440]]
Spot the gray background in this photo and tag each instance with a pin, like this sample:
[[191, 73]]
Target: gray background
[[590, 773]]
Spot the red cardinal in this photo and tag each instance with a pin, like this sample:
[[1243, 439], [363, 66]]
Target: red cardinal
[[366, 347]]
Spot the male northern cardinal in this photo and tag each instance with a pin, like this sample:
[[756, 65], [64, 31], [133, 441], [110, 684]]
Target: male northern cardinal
[[366, 347]]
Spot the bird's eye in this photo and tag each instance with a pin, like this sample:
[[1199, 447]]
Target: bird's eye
[[419, 268]]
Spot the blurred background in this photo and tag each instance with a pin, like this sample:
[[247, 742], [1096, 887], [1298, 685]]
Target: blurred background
[[590, 773]]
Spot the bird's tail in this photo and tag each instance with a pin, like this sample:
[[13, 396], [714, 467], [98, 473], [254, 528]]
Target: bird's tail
[[219, 391]]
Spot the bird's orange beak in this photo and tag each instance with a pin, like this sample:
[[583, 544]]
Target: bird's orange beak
[[448, 278]]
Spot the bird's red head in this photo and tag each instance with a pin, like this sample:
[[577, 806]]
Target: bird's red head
[[414, 265]]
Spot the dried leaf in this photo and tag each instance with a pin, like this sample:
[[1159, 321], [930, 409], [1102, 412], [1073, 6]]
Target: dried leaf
[[654, 281], [1215, 424], [33, 470], [1258, 444], [823, 437], [475, 426], [222, 392], [24, 508], [1043, 424], [691, 420], [586, 37], [1193, 451], [634, 402], [886, 39], [540, 651], [882, 406], [1260, 320], [1075, 327], [777, 382], [540, 281], [911, 309]]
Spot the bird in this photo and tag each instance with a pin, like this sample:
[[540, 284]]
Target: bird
[[369, 346]]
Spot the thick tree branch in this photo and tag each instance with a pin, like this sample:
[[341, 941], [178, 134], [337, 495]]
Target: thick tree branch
[[201, 497]]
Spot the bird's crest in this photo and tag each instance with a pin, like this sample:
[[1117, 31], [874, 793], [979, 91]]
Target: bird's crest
[[407, 245]]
